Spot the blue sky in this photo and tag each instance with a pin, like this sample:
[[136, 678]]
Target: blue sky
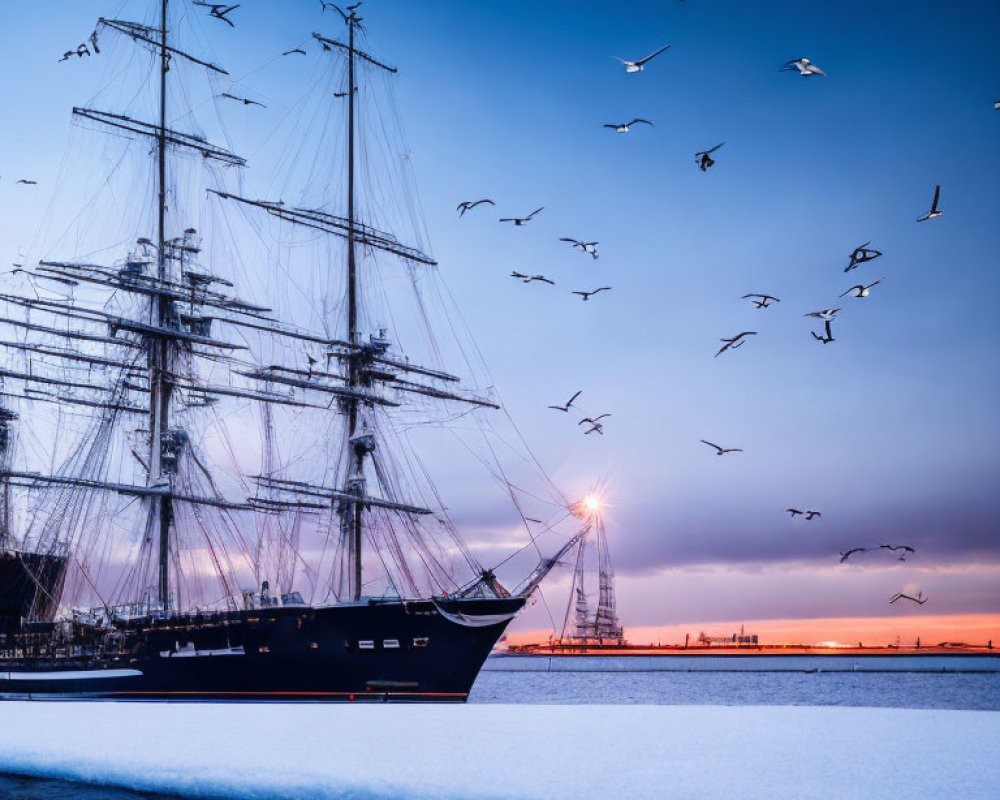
[[891, 430]]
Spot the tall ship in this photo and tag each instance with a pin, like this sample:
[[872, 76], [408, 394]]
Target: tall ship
[[211, 482]]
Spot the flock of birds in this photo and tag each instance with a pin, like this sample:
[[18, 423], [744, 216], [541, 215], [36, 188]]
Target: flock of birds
[[588, 248], [862, 254], [596, 426]]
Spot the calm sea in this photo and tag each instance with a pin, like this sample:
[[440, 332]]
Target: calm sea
[[964, 691]]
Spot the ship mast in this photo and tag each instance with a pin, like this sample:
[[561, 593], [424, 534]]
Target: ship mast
[[159, 407], [355, 481]]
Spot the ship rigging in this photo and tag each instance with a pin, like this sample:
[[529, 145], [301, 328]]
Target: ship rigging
[[128, 578]]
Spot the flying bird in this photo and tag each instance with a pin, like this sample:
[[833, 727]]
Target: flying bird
[[811, 514], [243, 100], [569, 402], [587, 295], [596, 428], [521, 220], [637, 66], [863, 291], [343, 94], [894, 548], [804, 66], [529, 278], [27, 182], [762, 300], [722, 450], [846, 554], [827, 314], [861, 255], [736, 341], [294, 50], [81, 51], [623, 127], [704, 159], [468, 205], [218, 10], [594, 420], [996, 105], [793, 512], [586, 247], [827, 336], [919, 599], [934, 206]]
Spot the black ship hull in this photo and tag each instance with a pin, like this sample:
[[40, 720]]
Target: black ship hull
[[375, 650]]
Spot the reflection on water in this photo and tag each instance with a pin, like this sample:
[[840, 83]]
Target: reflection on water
[[961, 691]]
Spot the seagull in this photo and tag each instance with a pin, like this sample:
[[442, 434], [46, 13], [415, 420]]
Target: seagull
[[243, 100], [934, 206], [722, 450], [637, 66], [623, 127], [529, 278], [844, 555], [803, 65], [736, 341], [568, 402], [827, 336], [827, 314], [343, 94], [862, 254], [597, 428], [81, 51], [586, 295], [294, 50], [996, 105], [793, 511], [521, 220], [704, 158], [468, 205], [863, 291], [894, 548], [762, 301], [218, 11], [811, 514], [596, 421], [919, 599], [27, 182], [586, 247]]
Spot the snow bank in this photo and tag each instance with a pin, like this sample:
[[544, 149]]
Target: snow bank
[[315, 752]]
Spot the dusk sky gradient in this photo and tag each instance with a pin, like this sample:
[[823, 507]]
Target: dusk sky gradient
[[891, 431]]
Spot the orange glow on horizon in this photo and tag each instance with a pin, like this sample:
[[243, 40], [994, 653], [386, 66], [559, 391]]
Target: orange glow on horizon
[[872, 631]]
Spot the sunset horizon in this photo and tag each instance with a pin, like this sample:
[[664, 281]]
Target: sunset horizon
[[930, 629]]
